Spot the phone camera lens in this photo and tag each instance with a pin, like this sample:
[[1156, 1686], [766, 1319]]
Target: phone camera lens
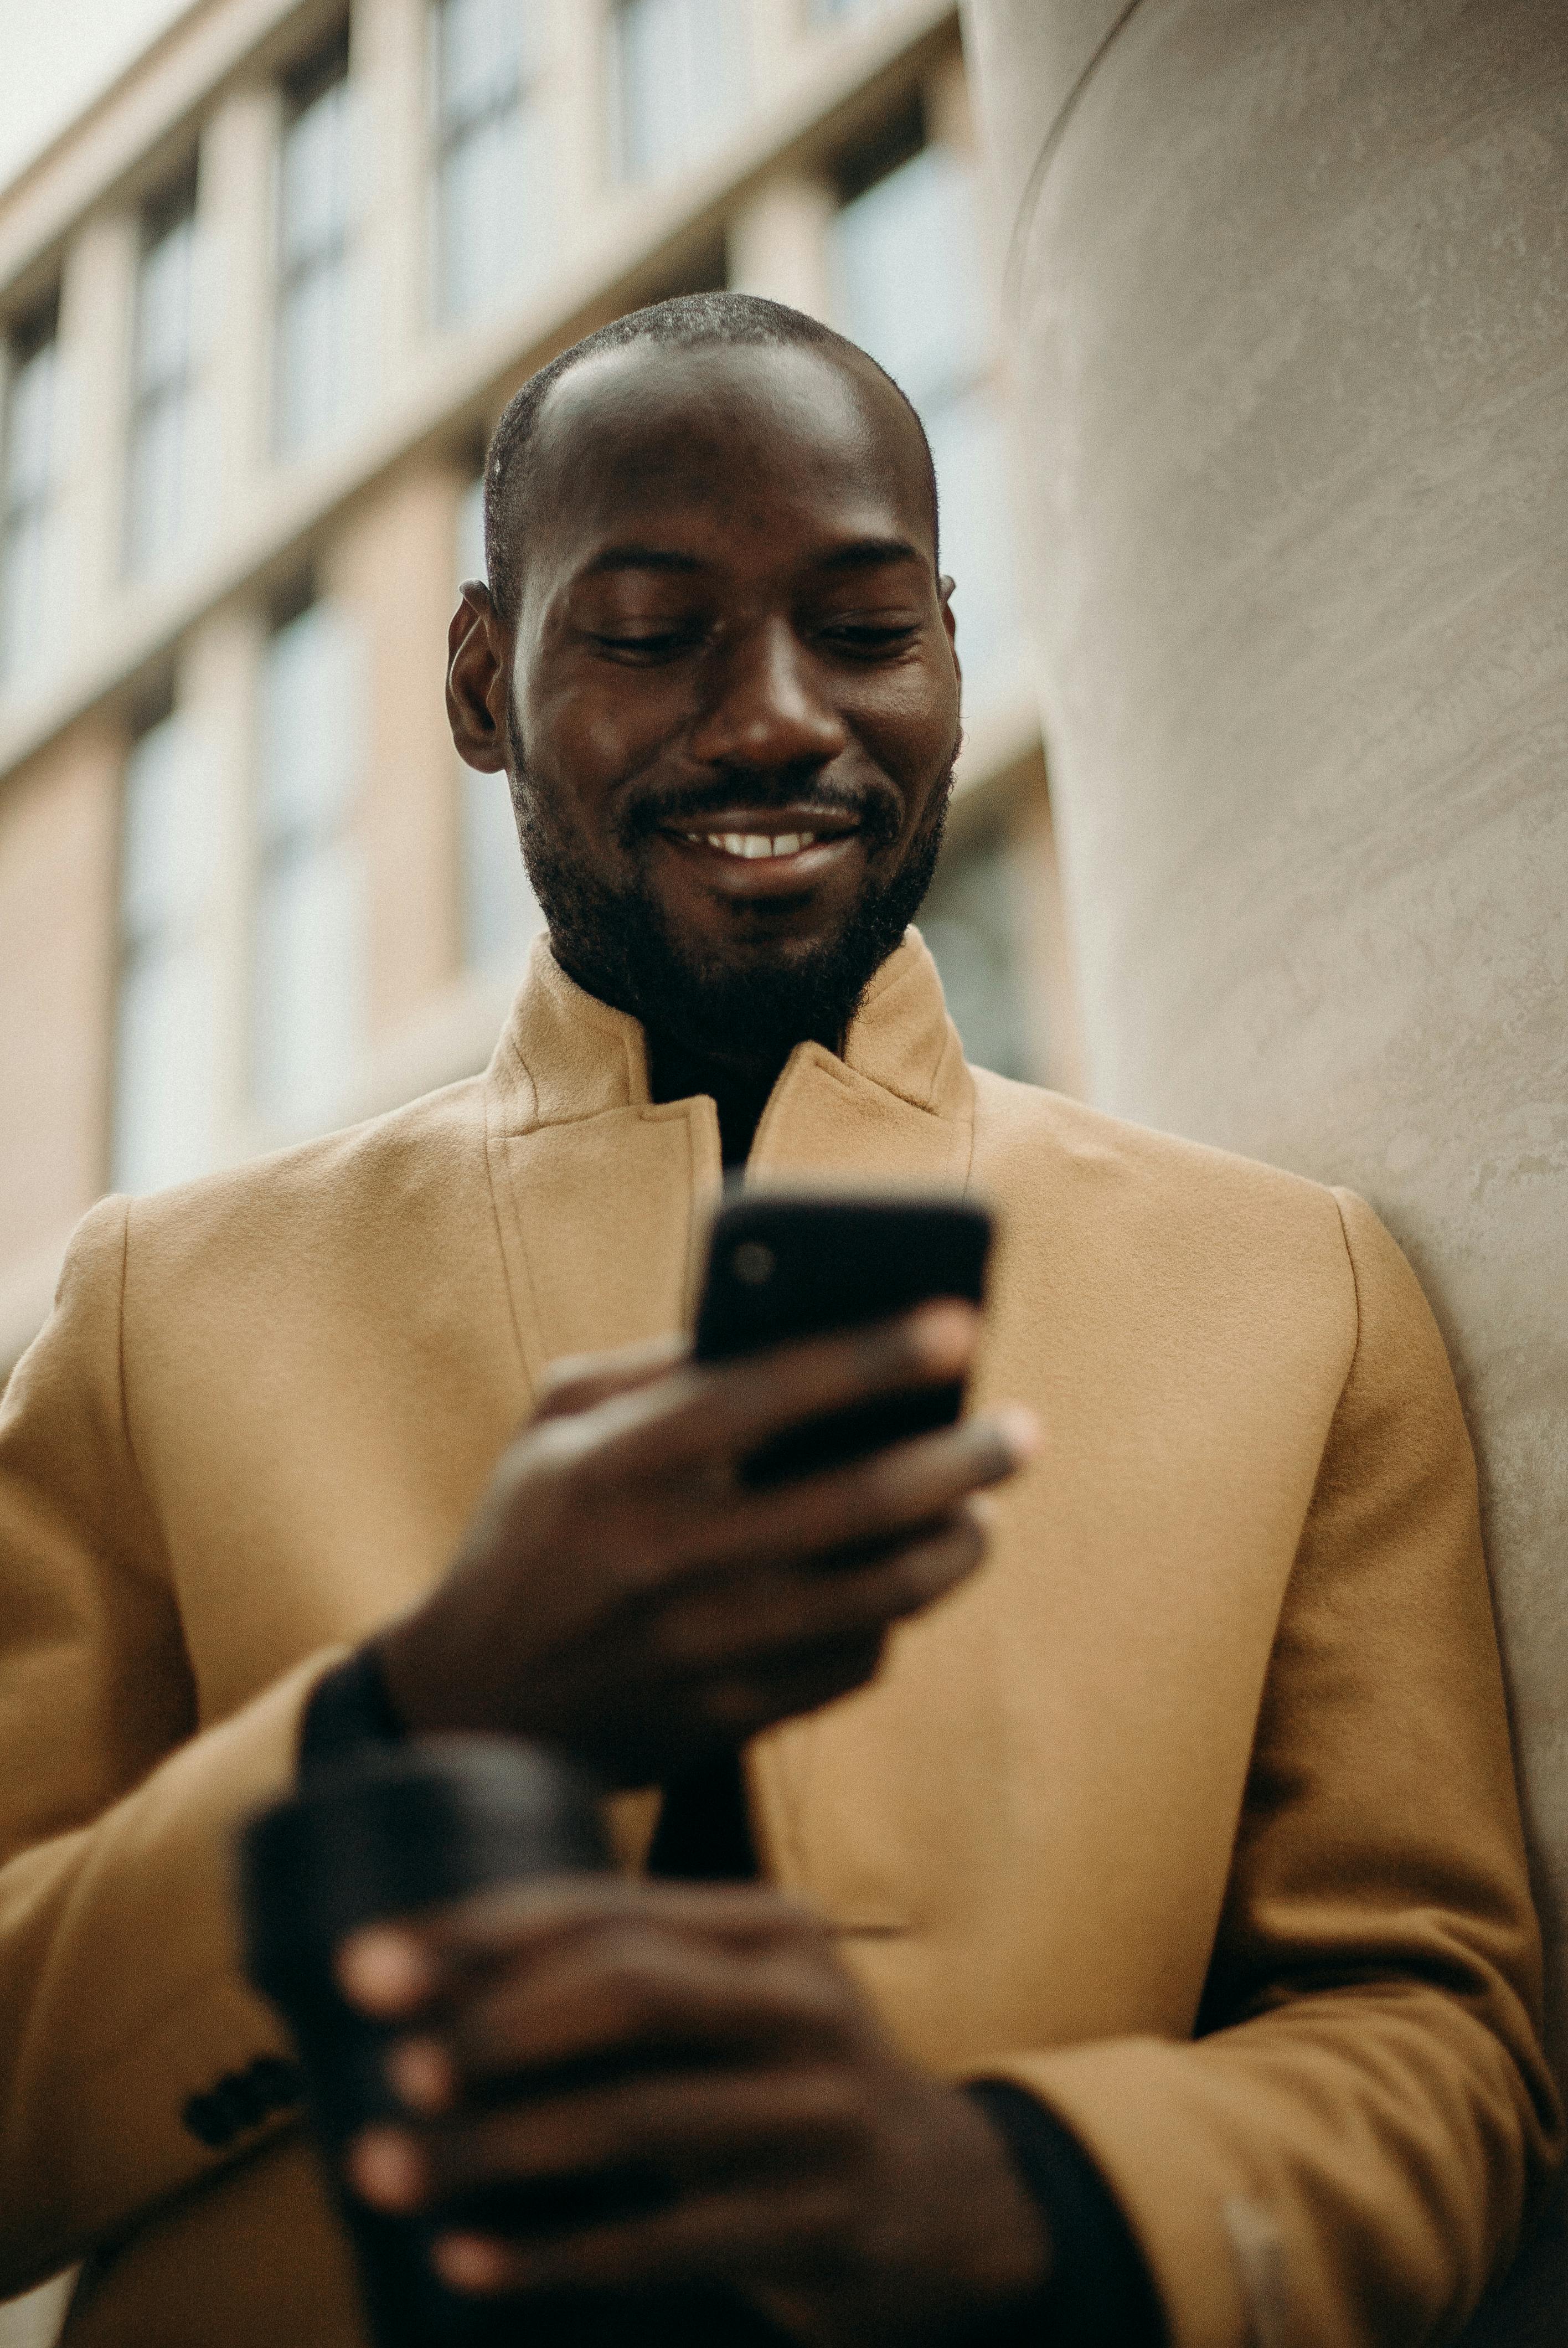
[[752, 1262]]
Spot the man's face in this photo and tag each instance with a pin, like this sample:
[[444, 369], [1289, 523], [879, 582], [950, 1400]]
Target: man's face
[[734, 702]]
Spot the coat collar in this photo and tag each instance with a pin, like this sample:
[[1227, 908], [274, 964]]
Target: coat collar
[[603, 1196], [563, 1055]]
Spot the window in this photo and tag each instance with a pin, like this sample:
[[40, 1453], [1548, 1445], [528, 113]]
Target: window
[[501, 914], [308, 1008], [30, 473], [908, 283], [494, 189], [976, 923], [680, 80], [313, 253], [165, 1056], [163, 385]]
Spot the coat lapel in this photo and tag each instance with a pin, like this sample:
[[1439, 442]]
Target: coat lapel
[[601, 1196], [897, 1110]]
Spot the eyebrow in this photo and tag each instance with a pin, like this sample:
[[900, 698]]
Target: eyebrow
[[866, 553], [642, 558], [861, 554]]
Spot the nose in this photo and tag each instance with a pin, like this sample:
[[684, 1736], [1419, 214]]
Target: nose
[[766, 706]]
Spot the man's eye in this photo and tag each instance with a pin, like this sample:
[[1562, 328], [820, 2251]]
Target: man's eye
[[870, 636], [656, 643]]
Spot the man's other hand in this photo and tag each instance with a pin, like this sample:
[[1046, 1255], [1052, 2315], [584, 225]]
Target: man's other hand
[[698, 2055], [624, 1593]]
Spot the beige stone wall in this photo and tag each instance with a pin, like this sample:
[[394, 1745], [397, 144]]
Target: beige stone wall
[[393, 565], [1291, 289], [57, 929]]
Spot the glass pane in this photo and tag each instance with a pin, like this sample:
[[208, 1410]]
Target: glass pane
[[977, 546], [309, 1012], [163, 309], [471, 531], [155, 492], [29, 416], [166, 837], [314, 175], [24, 589], [682, 80], [974, 922], [166, 1058], [311, 333], [495, 214], [165, 1034], [481, 57], [310, 728], [908, 279], [501, 914]]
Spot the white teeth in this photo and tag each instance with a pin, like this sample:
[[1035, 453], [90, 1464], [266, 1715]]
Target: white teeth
[[758, 843]]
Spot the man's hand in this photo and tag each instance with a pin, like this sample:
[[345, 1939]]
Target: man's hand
[[625, 1594], [706, 2043]]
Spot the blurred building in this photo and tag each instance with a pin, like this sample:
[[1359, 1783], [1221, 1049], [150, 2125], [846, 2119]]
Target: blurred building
[[260, 306]]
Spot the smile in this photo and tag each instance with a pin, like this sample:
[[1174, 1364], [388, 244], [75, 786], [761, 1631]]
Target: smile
[[752, 843], [757, 855]]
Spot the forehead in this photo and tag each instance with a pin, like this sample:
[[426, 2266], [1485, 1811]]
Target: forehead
[[744, 441]]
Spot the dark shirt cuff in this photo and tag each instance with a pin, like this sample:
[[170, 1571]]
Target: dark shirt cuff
[[349, 1709], [1099, 2294]]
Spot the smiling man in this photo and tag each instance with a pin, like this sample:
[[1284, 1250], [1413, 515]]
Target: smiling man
[[753, 507], [1096, 1912]]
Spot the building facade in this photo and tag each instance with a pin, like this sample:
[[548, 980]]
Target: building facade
[[260, 309]]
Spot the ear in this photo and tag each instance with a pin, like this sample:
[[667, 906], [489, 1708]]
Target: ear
[[478, 679], [945, 585]]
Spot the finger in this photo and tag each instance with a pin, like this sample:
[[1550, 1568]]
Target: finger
[[720, 1414], [637, 1989], [791, 1689], [404, 1967], [576, 1382], [685, 2129], [770, 2229], [897, 1491], [732, 1621]]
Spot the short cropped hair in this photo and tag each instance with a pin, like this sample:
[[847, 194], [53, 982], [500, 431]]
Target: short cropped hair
[[686, 321]]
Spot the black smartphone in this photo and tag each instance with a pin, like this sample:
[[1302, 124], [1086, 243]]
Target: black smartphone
[[786, 1264]]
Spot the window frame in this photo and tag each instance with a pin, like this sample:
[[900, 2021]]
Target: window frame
[[173, 212], [454, 136], [326, 73], [32, 340]]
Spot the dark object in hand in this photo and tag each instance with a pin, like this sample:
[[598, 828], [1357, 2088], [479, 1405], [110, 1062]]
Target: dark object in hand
[[387, 1834], [783, 1265]]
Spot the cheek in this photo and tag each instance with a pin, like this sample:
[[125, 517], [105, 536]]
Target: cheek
[[593, 734], [909, 720]]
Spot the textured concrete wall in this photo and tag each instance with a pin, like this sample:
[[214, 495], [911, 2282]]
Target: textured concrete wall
[[1291, 286]]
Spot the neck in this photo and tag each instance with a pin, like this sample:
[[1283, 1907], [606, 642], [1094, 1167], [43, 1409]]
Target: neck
[[738, 1089]]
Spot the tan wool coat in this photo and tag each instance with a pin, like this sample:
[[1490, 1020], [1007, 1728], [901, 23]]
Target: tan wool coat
[[1193, 1811]]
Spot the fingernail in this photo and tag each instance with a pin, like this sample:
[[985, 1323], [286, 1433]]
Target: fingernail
[[386, 2168], [1019, 1431], [944, 1334], [422, 2075], [383, 1970], [470, 2262]]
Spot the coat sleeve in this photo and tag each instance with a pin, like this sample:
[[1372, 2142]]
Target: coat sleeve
[[126, 2034], [1351, 2142]]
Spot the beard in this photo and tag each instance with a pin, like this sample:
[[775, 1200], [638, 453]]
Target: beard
[[618, 944]]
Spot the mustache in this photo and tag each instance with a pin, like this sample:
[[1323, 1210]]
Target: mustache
[[871, 803]]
